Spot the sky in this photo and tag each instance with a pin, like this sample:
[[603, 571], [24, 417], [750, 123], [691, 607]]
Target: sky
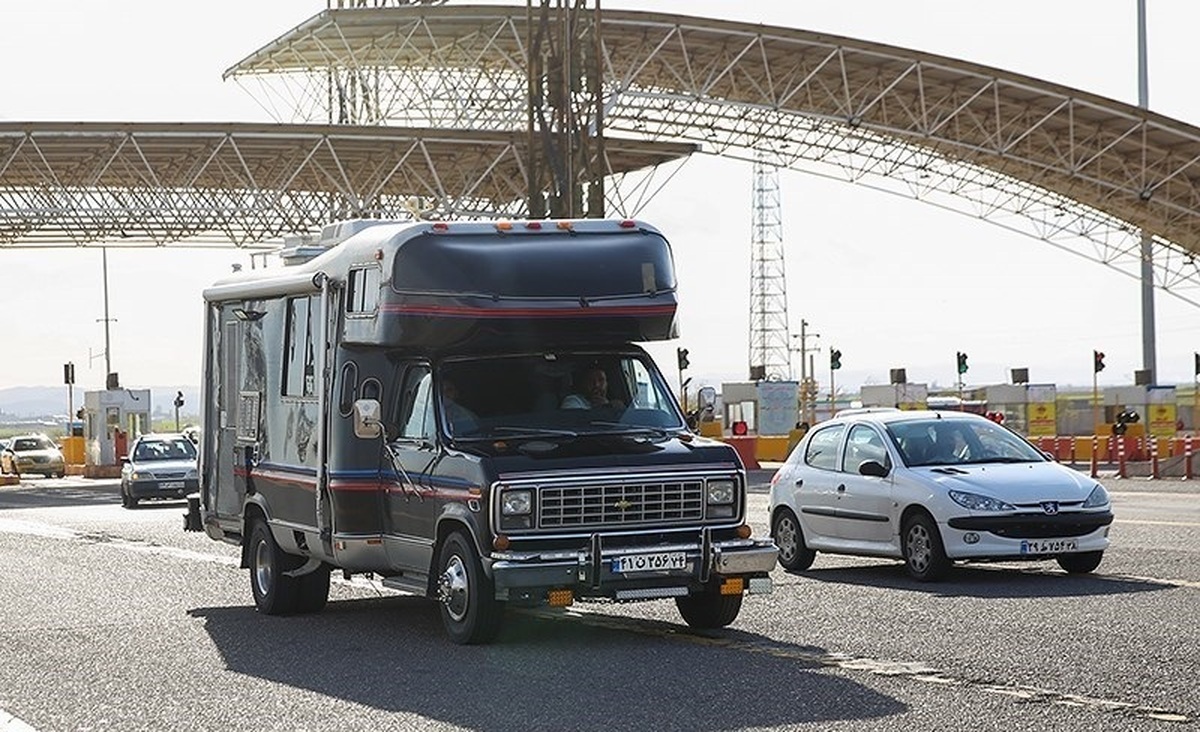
[[890, 282]]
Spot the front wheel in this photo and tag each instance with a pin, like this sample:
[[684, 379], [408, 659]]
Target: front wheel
[[470, 611], [924, 554], [1080, 563], [709, 609], [794, 556]]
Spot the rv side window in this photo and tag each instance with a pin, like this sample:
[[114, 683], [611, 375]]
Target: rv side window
[[363, 290], [416, 409], [299, 373]]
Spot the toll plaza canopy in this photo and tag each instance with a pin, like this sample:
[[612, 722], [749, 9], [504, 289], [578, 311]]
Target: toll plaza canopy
[[71, 184], [1082, 172]]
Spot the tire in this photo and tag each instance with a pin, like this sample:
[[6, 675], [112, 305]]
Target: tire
[[470, 611], [313, 592], [127, 499], [794, 556], [274, 592], [710, 609], [924, 554], [1080, 563]]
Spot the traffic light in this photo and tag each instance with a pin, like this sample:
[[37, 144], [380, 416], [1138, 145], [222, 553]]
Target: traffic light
[[682, 355], [1097, 361], [178, 399], [1197, 355], [962, 362], [835, 359], [68, 373]]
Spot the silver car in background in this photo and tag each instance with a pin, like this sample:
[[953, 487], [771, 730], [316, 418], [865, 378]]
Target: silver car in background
[[159, 466], [931, 488]]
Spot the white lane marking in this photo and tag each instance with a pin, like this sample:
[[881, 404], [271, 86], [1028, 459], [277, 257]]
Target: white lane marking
[[9, 723], [1147, 522]]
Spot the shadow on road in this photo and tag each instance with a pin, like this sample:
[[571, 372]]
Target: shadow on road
[[34, 493], [542, 673], [992, 581]]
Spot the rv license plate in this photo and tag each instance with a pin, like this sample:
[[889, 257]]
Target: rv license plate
[[174, 485], [1048, 546], [649, 562]]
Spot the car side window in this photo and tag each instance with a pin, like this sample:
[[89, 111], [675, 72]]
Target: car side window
[[417, 408], [863, 444], [822, 447]]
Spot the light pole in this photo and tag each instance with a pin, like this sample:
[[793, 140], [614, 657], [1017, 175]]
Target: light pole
[[106, 320], [807, 373]]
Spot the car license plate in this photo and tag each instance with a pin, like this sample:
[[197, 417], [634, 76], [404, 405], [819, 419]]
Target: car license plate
[[1048, 546], [649, 562], [173, 485]]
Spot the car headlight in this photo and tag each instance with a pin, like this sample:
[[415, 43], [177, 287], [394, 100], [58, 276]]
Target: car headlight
[[1097, 498], [721, 491], [516, 503], [976, 502], [193, 473]]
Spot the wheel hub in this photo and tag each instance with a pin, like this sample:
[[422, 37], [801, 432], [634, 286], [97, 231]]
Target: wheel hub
[[918, 547], [264, 573], [453, 588], [785, 538]]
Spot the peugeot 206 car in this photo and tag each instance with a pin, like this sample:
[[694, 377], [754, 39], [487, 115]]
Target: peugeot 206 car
[[159, 466], [932, 488], [37, 454]]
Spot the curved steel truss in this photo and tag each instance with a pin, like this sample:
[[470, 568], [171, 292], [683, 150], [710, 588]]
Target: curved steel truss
[[72, 184], [1085, 173]]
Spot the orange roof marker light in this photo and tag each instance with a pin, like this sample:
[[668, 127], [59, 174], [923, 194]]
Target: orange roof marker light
[[566, 225], [503, 226]]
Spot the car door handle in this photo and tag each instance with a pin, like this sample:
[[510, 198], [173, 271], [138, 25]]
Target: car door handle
[[841, 488], [799, 482]]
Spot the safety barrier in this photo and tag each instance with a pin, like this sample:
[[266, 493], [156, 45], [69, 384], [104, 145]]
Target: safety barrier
[[1154, 457]]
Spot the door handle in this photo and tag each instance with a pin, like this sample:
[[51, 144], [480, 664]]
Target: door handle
[[841, 488], [799, 482]]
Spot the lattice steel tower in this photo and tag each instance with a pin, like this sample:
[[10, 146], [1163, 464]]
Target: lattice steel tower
[[770, 350]]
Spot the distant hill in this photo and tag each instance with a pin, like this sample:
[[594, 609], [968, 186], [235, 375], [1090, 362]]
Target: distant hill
[[26, 402]]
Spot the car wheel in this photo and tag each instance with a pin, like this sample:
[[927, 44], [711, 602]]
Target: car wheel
[[274, 592], [469, 608], [313, 591], [794, 556], [1080, 563], [924, 554], [709, 609]]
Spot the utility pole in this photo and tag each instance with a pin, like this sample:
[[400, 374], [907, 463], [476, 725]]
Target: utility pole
[[106, 319], [808, 376], [1147, 278]]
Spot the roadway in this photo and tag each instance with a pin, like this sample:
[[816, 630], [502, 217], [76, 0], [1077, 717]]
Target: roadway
[[113, 619]]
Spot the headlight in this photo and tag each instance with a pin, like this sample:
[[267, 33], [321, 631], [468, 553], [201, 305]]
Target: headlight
[[516, 503], [1097, 498], [135, 475], [721, 491], [976, 502], [193, 473]]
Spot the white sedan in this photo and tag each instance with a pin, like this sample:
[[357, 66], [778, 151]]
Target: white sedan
[[932, 488]]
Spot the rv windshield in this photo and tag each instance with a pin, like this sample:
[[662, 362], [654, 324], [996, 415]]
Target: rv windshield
[[554, 395]]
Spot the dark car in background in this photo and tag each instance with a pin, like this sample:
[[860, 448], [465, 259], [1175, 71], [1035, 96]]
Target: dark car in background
[[37, 454], [160, 465]]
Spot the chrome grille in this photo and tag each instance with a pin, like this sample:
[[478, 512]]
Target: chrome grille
[[621, 504]]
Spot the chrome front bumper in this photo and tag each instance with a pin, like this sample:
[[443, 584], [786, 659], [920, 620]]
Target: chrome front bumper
[[589, 572]]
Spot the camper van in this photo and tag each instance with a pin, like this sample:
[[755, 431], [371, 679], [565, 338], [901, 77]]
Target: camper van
[[462, 410]]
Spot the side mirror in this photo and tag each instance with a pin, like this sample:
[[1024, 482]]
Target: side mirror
[[124, 459], [366, 419], [873, 468], [707, 396]]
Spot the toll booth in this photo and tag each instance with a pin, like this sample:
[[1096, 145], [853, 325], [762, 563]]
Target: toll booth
[[901, 396], [113, 418]]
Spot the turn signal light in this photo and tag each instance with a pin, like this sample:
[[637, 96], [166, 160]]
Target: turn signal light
[[732, 586], [744, 531], [501, 543], [503, 225], [560, 598]]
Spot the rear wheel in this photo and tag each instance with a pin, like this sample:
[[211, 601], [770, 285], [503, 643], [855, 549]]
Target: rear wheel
[[709, 609], [469, 608], [1080, 563], [275, 593], [794, 556], [924, 554]]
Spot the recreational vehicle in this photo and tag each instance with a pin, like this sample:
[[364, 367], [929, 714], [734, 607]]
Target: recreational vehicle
[[462, 409]]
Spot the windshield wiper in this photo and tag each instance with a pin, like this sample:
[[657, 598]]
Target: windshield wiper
[[521, 433], [635, 429]]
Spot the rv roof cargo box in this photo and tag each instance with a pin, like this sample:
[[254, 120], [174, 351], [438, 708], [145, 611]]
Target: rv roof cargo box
[[585, 281]]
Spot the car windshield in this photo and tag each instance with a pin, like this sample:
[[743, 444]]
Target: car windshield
[[173, 449], [23, 444], [555, 396], [927, 442]]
